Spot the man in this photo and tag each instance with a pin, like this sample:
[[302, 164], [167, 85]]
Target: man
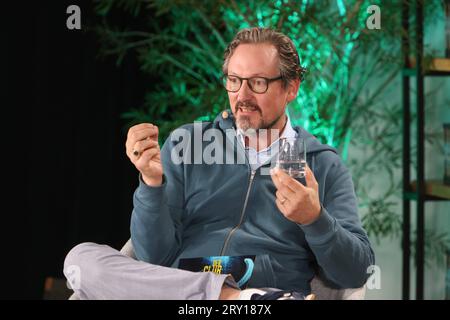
[[188, 208]]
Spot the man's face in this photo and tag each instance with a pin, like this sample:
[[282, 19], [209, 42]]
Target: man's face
[[259, 110]]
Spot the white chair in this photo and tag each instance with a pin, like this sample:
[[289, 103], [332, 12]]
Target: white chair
[[318, 287]]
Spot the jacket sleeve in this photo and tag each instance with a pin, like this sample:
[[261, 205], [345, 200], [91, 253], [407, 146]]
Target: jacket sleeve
[[337, 239], [157, 213]]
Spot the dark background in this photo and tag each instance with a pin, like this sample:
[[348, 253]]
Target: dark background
[[66, 178]]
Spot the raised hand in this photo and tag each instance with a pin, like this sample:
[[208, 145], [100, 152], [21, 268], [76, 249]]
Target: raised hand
[[143, 150]]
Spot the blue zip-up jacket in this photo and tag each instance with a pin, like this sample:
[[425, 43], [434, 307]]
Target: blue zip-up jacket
[[226, 209]]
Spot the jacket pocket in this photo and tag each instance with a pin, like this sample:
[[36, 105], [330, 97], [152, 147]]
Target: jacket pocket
[[263, 275]]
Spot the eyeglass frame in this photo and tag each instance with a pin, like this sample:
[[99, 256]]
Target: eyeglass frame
[[269, 81]]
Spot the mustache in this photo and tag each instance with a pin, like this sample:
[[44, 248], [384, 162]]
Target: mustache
[[247, 104]]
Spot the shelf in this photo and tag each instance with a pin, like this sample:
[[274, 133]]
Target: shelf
[[436, 67], [435, 190], [430, 190], [414, 196], [410, 72]]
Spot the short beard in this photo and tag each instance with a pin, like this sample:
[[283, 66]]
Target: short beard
[[245, 124]]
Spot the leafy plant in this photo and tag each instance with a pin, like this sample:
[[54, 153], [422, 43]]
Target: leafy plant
[[436, 245]]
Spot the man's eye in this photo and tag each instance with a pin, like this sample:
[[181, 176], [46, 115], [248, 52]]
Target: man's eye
[[232, 79], [259, 82]]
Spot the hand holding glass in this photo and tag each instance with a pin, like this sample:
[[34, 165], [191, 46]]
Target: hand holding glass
[[292, 156]]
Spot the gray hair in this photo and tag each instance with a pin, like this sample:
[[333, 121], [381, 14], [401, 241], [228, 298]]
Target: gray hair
[[290, 68]]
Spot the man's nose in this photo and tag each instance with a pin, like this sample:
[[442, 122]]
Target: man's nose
[[245, 92]]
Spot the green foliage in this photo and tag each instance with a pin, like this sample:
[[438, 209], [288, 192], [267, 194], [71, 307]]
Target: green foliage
[[181, 44], [184, 41], [382, 220], [436, 245]]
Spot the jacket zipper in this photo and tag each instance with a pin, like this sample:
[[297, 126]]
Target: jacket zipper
[[252, 176]]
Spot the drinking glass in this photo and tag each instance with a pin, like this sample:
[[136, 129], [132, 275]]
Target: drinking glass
[[292, 156]]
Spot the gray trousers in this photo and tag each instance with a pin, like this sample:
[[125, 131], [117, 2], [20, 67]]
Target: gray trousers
[[98, 272]]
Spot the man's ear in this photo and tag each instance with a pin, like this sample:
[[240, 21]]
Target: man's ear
[[293, 87]]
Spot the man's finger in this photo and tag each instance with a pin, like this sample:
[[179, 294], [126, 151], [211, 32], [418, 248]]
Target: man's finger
[[280, 205], [143, 145], [311, 181], [148, 154], [143, 134], [132, 145], [140, 127], [277, 181], [288, 181], [284, 195]]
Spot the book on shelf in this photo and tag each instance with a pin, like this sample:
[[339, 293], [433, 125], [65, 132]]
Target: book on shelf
[[433, 64], [435, 188]]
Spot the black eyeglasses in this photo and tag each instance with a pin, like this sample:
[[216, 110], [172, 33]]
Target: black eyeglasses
[[256, 84]]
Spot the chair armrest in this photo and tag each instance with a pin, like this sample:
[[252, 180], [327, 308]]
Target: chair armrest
[[324, 292], [128, 250]]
